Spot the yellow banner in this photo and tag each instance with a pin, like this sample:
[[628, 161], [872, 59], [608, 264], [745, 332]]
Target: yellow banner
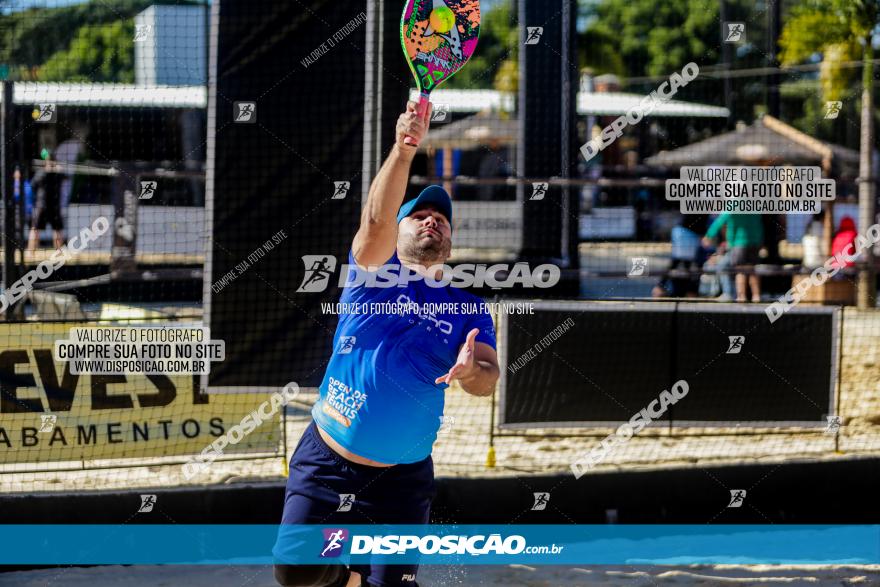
[[49, 414]]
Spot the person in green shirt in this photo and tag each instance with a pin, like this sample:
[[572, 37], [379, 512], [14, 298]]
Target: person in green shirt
[[745, 237]]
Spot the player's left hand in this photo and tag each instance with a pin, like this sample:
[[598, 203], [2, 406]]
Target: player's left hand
[[465, 365]]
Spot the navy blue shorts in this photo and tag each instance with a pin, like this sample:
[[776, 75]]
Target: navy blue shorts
[[320, 489]]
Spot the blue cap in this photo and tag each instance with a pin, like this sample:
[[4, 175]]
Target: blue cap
[[433, 194]]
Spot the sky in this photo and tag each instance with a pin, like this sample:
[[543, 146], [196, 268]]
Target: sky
[[23, 4], [14, 5]]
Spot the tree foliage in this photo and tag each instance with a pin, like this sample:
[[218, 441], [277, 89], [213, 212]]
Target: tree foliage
[[29, 38], [496, 52], [837, 30], [647, 37], [98, 53], [597, 50]]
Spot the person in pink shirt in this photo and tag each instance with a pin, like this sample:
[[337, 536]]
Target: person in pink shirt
[[844, 242]]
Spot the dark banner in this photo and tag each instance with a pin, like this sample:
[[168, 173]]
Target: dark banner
[[589, 362], [287, 169], [608, 364], [782, 371]]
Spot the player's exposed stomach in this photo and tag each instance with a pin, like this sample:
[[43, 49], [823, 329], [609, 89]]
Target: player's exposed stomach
[[379, 411], [391, 428], [347, 454]]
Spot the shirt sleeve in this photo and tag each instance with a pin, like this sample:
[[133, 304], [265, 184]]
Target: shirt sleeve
[[484, 322], [716, 225], [393, 260], [354, 289]]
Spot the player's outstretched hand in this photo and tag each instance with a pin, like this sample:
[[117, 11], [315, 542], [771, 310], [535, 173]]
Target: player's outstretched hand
[[465, 365], [410, 124]]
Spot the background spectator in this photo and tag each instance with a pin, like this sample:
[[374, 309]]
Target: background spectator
[[47, 206], [844, 242], [745, 236]]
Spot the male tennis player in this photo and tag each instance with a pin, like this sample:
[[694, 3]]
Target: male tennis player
[[366, 457]]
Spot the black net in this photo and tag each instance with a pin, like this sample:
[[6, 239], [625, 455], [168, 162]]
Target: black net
[[221, 155]]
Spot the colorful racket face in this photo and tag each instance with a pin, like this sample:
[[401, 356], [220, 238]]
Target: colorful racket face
[[438, 37]]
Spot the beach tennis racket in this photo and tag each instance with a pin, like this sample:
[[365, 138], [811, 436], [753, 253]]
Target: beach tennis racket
[[438, 38]]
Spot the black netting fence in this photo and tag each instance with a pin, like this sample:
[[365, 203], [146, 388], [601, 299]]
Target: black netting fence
[[643, 196]]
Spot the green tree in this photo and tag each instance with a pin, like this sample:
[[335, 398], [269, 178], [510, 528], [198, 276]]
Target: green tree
[[30, 37], [598, 50], [647, 37], [805, 108], [495, 62], [507, 76], [98, 53], [813, 29], [841, 31]]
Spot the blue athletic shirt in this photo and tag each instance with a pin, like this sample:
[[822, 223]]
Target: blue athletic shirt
[[378, 398]]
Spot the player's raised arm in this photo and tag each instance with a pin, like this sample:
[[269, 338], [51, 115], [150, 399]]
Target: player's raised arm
[[376, 238]]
